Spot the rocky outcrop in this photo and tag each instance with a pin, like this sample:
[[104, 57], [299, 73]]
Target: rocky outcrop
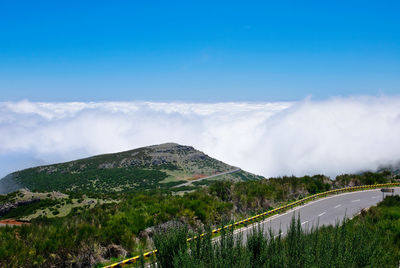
[[115, 251], [6, 207]]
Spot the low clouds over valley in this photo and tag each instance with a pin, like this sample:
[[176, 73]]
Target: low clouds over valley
[[335, 136]]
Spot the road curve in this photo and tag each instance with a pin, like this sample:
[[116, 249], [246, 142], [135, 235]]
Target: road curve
[[325, 211]]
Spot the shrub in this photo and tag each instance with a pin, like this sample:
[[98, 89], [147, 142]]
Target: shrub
[[55, 212], [169, 243]]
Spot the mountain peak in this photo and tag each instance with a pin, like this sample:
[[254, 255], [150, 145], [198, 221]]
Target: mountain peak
[[156, 166]]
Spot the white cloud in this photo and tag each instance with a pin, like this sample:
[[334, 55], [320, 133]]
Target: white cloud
[[272, 139]]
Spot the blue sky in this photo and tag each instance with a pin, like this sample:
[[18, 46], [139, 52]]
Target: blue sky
[[198, 52]]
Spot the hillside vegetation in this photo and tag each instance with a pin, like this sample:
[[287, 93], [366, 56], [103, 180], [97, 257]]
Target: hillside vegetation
[[107, 207], [93, 234], [369, 240], [153, 167]]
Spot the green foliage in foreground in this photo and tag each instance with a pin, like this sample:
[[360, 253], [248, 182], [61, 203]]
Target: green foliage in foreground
[[370, 240], [81, 237]]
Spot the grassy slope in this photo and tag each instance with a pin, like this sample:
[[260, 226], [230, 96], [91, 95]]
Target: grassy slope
[[48, 205], [160, 166], [83, 234]]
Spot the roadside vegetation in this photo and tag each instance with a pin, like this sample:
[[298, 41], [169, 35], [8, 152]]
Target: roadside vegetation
[[369, 240], [110, 231]]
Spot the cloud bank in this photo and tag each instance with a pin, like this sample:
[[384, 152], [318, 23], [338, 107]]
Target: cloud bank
[[332, 137]]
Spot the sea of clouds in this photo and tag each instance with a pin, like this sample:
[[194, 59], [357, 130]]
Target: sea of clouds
[[335, 136]]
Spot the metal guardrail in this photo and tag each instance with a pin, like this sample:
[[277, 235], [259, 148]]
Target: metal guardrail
[[257, 217]]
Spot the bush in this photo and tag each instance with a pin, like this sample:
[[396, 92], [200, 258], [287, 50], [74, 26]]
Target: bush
[[169, 243], [356, 243], [55, 212]]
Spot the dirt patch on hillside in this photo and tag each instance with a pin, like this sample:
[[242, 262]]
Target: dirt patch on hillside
[[12, 222], [196, 177]]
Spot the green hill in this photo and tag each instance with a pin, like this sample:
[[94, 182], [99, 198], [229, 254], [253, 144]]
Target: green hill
[[159, 166]]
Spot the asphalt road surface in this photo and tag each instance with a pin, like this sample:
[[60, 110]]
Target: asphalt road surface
[[326, 211], [321, 212]]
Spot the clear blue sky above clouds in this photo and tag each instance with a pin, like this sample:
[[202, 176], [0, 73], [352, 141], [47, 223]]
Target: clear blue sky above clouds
[[198, 51]]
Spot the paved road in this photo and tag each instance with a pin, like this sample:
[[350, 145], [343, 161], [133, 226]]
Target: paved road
[[209, 177], [326, 211]]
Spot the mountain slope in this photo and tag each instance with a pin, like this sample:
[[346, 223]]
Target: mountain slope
[[158, 166], [8, 184]]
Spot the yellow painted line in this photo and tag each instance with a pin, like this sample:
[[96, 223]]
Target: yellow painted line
[[148, 254]]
